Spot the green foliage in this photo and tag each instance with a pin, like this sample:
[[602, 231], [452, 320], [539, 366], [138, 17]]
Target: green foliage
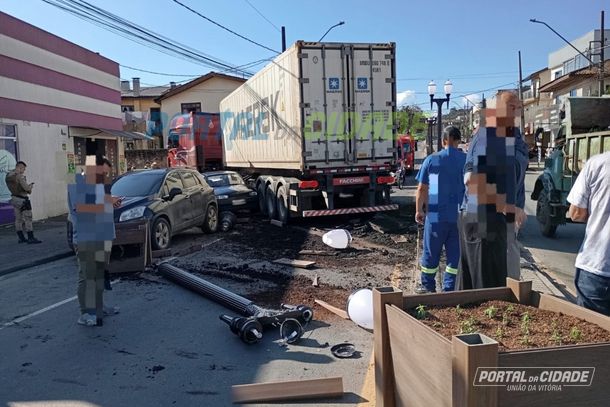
[[525, 323], [491, 312], [468, 326], [458, 310], [556, 336], [499, 332], [420, 311], [411, 118], [575, 334]]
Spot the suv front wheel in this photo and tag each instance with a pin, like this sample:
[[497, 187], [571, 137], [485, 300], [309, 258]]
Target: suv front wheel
[[161, 234], [210, 225]]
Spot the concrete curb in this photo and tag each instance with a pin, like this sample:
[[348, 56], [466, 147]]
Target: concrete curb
[[35, 263]]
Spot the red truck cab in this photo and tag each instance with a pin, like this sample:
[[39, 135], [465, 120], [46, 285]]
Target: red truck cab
[[195, 141], [405, 147]]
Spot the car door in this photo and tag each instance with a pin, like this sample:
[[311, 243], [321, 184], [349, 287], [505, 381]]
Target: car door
[[207, 191], [179, 207], [194, 192]]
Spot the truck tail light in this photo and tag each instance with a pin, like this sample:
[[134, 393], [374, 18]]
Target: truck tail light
[[308, 184], [385, 180]]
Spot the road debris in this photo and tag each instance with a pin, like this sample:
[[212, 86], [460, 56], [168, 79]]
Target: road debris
[[288, 390], [343, 350], [337, 238], [333, 309], [360, 308], [295, 263]]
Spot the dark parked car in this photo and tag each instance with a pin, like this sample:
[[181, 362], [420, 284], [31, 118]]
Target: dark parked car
[[231, 191], [173, 200]]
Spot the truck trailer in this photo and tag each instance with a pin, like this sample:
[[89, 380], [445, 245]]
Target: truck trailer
[[316, 130]]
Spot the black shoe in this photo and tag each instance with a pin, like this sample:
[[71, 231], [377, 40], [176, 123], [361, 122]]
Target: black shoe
[[22, 238], [32, 239]]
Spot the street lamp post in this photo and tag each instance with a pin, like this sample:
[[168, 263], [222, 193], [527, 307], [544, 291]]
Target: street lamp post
[[327, 31], [448, 87]]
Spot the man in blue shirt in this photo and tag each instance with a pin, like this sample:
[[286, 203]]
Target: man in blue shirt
[[438, 198], [91, 211], [495, 196]]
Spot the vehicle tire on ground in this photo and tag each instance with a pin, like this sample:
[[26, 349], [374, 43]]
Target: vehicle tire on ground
[[543, 214], [282, 204], [161, 234], [262, 203], [271, 203], [210, 225]]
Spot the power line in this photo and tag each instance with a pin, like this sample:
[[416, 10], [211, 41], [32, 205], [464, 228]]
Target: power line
[[223, 27], [159, 73], [261, 14], [135, 33]]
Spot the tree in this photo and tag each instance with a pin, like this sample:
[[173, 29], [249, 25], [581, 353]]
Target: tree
[[410, 120]]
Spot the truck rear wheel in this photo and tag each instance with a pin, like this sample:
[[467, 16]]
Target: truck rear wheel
[[282, 204], [271, 203], [543, 214], [262, 203]]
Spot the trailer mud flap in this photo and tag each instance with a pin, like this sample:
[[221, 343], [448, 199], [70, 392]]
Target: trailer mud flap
[[346, 211]]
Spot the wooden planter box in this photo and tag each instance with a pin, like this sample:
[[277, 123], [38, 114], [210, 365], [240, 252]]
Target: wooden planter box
[[416, 366], [133, 242]]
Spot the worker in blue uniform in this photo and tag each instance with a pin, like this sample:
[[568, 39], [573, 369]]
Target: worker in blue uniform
[[439, 195]]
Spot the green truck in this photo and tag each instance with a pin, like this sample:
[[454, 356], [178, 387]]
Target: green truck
[[584, 132]]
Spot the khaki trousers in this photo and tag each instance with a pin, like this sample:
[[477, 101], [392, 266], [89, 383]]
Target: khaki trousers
[[22, 218]]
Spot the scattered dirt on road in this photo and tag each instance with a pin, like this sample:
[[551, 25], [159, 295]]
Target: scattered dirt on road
[[514, 326], [243, 261]]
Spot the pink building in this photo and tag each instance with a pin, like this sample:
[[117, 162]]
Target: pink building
[[58, 103]]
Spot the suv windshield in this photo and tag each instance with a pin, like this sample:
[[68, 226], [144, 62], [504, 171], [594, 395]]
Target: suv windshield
[[223, 180], [138, 184]]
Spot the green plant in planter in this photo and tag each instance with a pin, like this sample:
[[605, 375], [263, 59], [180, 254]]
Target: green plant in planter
[[510, 308], [556, 336], [525, 323], [468, 326], [499, 332], [491, 312], [420, 311], [525, 340], [458, 310], [575, 334]]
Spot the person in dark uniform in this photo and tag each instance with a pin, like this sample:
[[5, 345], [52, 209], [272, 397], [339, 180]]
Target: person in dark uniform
[[20, 189]]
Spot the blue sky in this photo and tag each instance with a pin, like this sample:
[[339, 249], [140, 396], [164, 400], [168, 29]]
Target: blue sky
[[473, 43]]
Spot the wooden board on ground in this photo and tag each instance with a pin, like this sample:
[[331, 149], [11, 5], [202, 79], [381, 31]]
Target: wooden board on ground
[[333, 309], [290, 390], [399, 239], [317, 253], [277, 223], [295, 263], [162, 253]]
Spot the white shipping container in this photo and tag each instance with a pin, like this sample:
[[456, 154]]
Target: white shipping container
[[316, 106]]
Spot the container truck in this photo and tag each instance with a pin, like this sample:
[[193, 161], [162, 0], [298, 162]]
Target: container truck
[[195, 141], [584, 132], [316, 130]]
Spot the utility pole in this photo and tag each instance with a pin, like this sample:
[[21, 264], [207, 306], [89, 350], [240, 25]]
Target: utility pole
[[601, 57], [522, 126], [283, 38]]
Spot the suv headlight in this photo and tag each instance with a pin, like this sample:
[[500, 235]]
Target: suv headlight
[[222, 197], [253, 193], [133, 213]]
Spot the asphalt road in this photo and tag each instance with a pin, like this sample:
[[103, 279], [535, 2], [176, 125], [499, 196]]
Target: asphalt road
[[167, 347], [556, 254]]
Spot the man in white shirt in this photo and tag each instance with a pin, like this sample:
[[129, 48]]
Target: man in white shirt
[[590, 202]]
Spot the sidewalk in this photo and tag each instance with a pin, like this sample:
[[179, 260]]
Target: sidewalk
[[17, 256]]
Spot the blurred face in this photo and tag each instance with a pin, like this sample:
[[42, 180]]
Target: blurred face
[[20, 168]]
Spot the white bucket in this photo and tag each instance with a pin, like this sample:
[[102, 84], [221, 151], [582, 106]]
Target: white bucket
[[337, 239]]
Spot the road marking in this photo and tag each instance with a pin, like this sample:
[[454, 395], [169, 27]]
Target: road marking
[[33, 314]]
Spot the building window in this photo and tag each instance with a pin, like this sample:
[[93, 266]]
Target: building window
[[557, 74], [127, 108], [190, 108], [573, 93]]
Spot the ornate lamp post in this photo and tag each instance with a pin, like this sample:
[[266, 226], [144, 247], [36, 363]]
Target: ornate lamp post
[[448, 87]]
